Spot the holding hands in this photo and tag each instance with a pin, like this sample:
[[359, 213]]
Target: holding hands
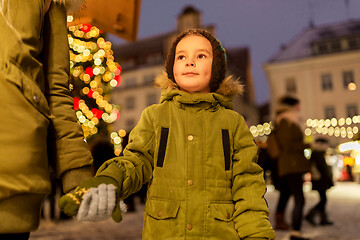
[[94, 200]]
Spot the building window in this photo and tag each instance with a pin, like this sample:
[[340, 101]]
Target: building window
[[326, 82], [352, 110], [354, 42], [290, 85], [128, 63], [335, 46], [323, 48], [149, 78], [348, 77], [151, 99], [130, 124], [330, 112], [130, 103], [155, 58], [130, 82]]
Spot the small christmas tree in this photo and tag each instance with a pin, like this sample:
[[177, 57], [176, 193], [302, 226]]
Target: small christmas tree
[[93, 75]]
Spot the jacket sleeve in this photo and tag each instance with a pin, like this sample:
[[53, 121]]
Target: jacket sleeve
[[134, 168], [70, 154], [248, 189]]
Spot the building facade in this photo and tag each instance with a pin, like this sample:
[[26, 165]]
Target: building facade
[[143, 60], [321, 66]]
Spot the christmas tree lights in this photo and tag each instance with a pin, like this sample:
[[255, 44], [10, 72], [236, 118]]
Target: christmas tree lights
[[94, 73]]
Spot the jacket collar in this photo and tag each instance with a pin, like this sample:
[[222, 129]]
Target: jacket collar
[[229, 87], [196, 100], [223, 96], [289, 113]]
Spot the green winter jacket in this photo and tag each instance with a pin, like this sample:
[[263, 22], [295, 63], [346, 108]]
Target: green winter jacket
[[38, 126], [199, 159]]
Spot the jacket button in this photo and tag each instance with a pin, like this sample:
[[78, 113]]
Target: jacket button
[[190, 137], [159, 213], [189, 226], [36, 98], [190, 182], [228, 215]]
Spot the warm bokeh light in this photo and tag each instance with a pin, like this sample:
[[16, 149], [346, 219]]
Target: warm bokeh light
[[331, 127], [94, 73]]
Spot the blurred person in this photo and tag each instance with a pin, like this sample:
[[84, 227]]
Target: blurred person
[[292, 164], [38, 125], [264, 159], [101, 150], [273, 152], [197, 155], [321, 179]]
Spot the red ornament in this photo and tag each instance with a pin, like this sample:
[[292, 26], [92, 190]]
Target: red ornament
[[90, 93], [120, 69], [89, 71], [97, 113], [76, 102], [85, 27], [118, 80]]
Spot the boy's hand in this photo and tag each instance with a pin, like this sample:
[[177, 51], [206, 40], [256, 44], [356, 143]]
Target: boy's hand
[[96, 198]]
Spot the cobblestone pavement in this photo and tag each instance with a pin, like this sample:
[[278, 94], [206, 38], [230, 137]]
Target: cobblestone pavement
[[343, 208]]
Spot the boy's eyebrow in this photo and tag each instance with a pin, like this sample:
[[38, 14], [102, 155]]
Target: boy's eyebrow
[[204, 50], [178, 52], [197, 50]]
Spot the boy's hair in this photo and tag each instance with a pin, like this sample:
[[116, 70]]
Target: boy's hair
[[218, 69]]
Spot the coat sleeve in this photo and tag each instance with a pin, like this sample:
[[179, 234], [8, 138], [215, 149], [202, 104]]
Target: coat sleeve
[[248, 189], [70, 154], [134, 168]]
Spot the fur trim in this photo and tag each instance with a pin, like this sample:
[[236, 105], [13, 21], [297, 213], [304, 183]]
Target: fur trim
[[72, 6], [228, 87], [162, 81]]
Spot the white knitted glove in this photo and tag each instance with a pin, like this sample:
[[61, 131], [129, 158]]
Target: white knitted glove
[[98, 203]]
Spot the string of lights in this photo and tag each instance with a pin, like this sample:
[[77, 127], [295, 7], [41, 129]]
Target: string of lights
[[342, 127]]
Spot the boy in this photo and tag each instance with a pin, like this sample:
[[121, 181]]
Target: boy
[[196, 153]]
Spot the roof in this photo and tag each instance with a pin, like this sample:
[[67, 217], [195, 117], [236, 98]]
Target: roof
[[300, 45], [189, 10], [141, 47]]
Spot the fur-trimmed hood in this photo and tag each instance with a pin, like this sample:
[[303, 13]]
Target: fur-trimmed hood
[[229, 87], [223, 96], [72, 6]]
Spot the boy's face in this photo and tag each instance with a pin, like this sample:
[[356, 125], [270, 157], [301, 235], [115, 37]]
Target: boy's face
[[192, 65]]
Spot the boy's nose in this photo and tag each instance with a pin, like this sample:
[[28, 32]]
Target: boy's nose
[[190, 63]]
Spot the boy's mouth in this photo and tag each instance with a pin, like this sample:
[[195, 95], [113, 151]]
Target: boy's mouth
[[190, 74]]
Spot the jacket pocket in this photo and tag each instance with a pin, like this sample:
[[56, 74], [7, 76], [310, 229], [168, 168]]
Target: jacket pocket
[[162, 209], [29, 89], [222, 211], [161, 220]]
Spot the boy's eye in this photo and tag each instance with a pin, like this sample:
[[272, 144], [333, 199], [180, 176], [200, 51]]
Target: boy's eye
[[201, 55], [181, 57]]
